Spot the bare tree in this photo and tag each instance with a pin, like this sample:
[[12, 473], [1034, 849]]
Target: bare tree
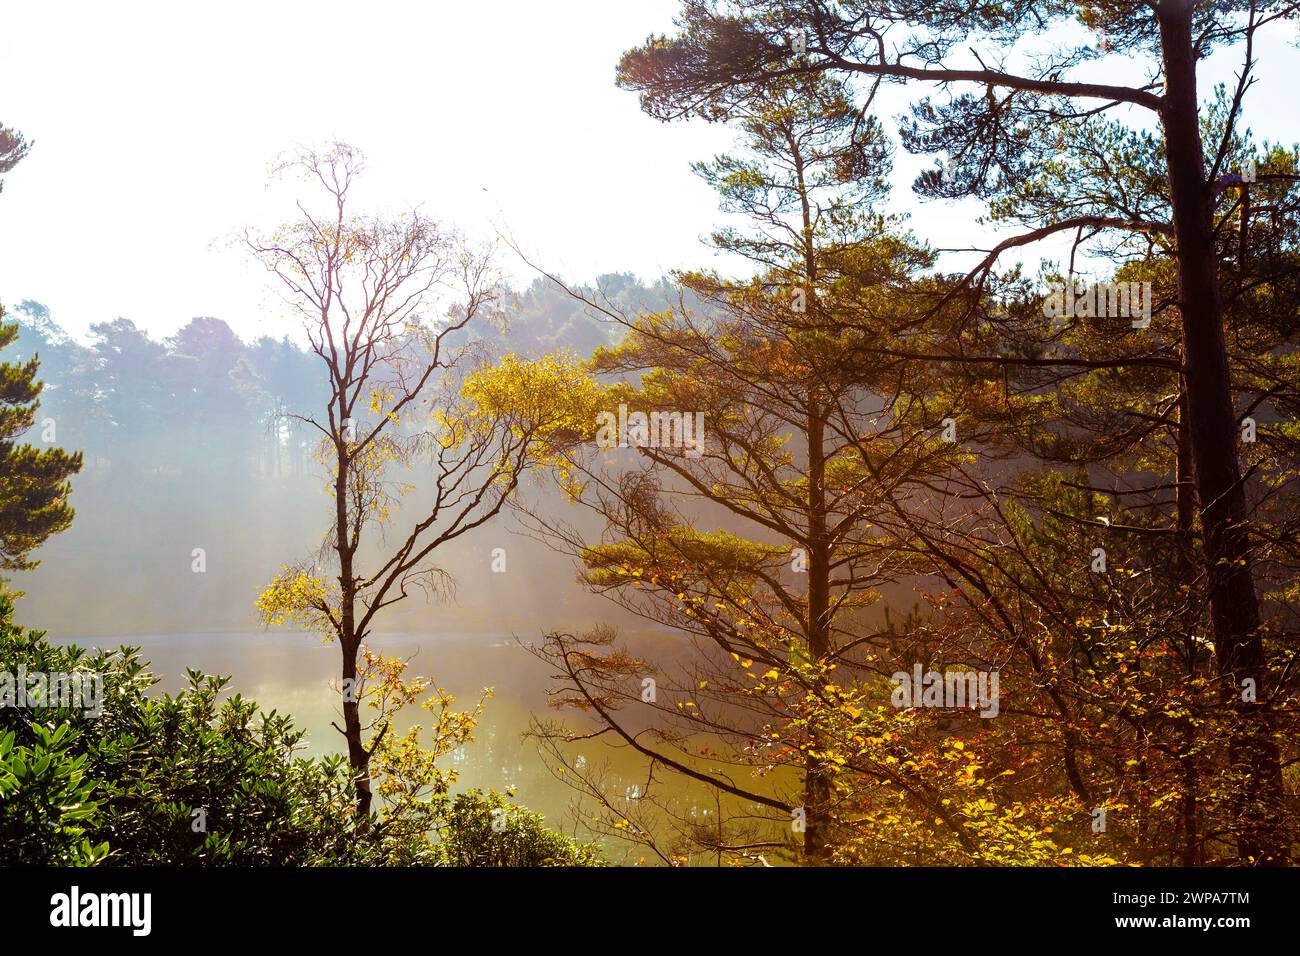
[[366, 289]]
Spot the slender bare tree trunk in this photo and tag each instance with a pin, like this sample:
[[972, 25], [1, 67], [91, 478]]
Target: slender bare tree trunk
[[358, 758], [349, 641]]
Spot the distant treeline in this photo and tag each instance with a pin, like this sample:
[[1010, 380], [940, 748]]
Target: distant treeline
[[186, 448]]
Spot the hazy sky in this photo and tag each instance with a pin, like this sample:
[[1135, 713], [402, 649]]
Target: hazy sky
[[154, 125]]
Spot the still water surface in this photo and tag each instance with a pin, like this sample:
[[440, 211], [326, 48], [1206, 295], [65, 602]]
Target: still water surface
[[292, 673]]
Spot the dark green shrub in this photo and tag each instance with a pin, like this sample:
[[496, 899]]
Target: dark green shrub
[[191, 779]]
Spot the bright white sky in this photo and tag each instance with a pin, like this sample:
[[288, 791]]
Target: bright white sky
[[154, 125]]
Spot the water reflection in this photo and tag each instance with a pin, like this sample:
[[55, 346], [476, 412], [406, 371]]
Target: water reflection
[[298, 674]]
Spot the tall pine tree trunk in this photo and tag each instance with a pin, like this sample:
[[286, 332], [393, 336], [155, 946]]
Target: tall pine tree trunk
[[1185, 476], [817, 781], [1212, 427]]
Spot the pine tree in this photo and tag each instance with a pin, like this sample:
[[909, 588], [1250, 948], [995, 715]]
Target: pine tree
[[34, 484], [13, 147]]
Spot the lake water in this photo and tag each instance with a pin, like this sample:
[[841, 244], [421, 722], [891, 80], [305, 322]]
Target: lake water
[[292, 673]]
